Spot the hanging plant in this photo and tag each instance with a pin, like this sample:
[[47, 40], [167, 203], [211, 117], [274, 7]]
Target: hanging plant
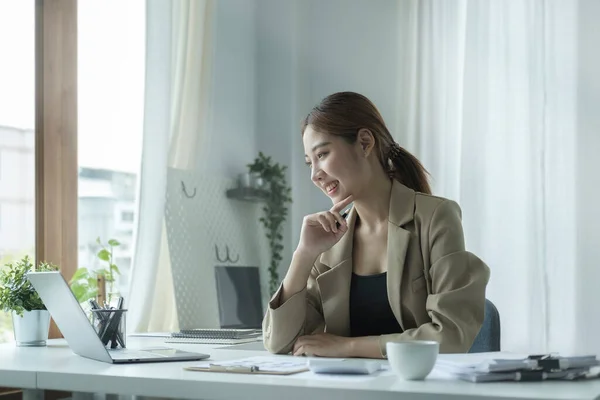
[[277, 196]]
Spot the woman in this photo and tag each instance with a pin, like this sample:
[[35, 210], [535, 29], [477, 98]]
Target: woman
[[394, 269]]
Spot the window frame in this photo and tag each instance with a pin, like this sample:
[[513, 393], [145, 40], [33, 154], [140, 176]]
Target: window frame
[[56, 163]]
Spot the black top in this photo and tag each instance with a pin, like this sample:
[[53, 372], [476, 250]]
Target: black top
[[370, 311]]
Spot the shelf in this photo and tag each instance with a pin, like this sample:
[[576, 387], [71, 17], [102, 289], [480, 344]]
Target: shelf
[[247, 194]]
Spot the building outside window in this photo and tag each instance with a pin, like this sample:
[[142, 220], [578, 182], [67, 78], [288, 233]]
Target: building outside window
[[111, 71], [17, 147]]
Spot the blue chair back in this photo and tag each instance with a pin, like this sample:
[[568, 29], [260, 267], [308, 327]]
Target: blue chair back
[[488, 338]]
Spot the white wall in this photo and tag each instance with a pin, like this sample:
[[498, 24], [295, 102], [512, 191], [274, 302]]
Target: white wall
[[276, 127], [233, 103], [588, 178]]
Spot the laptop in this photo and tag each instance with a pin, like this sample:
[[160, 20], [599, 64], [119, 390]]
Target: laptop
[[240, 309], [79, 332]]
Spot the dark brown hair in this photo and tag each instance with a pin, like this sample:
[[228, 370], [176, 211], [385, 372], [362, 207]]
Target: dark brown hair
[[345, 113]]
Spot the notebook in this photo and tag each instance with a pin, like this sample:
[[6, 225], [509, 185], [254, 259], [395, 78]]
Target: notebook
[[201, 340], [217, 333]]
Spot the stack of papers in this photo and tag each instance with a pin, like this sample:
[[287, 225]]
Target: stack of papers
[[254, 365], [531, 368]]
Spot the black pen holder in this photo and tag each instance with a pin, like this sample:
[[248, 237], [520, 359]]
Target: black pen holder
[[110, 326]]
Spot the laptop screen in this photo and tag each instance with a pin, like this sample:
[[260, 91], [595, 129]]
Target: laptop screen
[[239, 298]]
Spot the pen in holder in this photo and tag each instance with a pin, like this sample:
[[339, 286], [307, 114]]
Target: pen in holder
[[110, 326]]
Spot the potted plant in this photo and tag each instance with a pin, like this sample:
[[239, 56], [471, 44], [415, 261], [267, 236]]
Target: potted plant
[[31, 320], [275, 209], [84, 283]]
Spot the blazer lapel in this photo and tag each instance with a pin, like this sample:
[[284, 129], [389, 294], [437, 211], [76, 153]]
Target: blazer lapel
[[402, 204], [334, 284]]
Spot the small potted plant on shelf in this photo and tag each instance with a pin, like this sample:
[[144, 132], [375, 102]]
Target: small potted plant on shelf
[[31, 320]]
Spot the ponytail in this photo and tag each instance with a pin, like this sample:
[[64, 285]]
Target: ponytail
[[408, 170]]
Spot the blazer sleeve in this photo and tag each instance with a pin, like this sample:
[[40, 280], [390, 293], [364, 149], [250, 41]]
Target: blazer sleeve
[[456, 301], [301, 314]]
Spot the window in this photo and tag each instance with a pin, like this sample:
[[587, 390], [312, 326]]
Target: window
[[111, 70], [17, 163], [127, 216]]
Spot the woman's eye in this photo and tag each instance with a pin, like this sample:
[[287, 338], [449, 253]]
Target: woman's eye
[[321, 155]]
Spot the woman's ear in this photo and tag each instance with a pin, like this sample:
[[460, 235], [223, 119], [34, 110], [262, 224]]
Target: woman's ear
[[366, 141]]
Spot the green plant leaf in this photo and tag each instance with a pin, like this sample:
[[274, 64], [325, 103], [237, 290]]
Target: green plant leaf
[[114, 243], [114, 268], [81, 273], [274, 209], [44, 267], [16, 292], [92, 281], [79, 291], [104, 255]]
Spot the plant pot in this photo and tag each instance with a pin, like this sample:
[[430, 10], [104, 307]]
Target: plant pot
[[32, 328], [249, 180]]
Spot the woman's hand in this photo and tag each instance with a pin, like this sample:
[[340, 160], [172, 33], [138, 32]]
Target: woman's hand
[[320, 231], [323, 345]]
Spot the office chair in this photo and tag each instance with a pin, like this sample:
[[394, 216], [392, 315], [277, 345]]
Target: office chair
[[488, 338]]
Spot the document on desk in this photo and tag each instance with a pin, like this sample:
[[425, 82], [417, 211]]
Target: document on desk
[[254, 365], [496, 368]]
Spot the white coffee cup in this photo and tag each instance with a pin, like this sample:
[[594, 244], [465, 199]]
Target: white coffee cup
[[412, 359]]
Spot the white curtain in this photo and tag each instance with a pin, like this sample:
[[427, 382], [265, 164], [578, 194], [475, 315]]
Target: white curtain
[[488, 103], [178, 60]]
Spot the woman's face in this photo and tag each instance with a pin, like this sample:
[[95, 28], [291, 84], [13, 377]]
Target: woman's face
[[336, 166]]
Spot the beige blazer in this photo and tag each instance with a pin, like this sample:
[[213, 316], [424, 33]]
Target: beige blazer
[[436, 289]]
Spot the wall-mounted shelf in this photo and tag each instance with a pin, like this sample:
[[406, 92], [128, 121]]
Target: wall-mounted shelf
[[247, 194]]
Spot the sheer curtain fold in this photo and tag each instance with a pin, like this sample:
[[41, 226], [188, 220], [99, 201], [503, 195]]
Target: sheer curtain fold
[[191, 60], [489, 109], [178, 59]]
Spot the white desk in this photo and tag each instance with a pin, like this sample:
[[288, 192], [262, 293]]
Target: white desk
[[55, 367], [18, 366]]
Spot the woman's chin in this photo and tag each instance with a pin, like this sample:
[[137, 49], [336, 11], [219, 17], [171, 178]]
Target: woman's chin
[[336, 196]]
